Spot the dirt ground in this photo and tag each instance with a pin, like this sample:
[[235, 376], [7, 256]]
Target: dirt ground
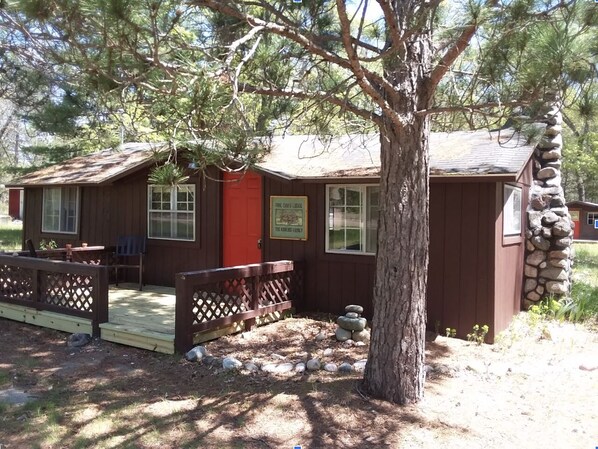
[[536, 388]]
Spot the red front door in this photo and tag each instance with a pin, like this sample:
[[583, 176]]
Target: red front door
[[242, 219]]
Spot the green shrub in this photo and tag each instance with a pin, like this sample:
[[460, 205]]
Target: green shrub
[[478, 335]]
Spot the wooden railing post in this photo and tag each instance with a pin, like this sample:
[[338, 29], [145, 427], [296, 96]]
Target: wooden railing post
[[256, 292], [100, 299], [183, 316]]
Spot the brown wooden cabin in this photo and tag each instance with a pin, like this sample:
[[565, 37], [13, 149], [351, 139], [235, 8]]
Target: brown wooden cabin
[[584, 216], [312, 200]]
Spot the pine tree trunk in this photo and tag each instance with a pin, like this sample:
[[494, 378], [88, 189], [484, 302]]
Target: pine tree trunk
[[395, 368]]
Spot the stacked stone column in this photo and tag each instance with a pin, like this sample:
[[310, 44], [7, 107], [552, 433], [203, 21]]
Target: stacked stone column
[[549, 234]]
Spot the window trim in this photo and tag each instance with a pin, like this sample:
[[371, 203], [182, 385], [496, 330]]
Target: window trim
[[348, 252], [591, 223], [60, 189], [173, 199], [514, 188]]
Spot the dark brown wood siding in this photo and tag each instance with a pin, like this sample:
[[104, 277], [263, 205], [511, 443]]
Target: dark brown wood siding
[[465, 218], [510, 253], [332, 281], [107, 212], [460, 275]]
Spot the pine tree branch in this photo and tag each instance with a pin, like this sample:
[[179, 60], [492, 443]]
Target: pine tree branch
[[473, 107], [571, 125], [320, 37], [358, 69], [392, 24], [343, 103], [309, 43], [453, 53]]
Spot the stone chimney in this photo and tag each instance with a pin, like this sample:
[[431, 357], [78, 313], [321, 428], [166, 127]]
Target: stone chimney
[[549, 231]]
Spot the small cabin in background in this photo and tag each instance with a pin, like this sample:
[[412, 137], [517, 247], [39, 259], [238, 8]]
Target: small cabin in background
[[310, 199], [584, 215]]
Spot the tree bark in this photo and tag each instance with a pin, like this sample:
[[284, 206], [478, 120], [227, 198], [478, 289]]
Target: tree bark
[[395, 368]]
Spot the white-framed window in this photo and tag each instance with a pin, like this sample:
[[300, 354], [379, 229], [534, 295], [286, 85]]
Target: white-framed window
[[60, 210], [171, 212], [592, 217], [512, 210], [352, 221]]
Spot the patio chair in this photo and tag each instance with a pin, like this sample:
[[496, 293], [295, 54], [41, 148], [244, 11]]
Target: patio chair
[[31, 248], [130, 251]]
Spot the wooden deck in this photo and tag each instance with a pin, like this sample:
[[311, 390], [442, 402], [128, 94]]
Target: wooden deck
[[144, 319]]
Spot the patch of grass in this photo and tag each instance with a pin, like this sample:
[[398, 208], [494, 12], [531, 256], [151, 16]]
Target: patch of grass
[[11, 236], [586, 256], [583, 303], [4, 378]]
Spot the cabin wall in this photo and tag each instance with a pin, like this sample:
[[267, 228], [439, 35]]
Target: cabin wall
[[510, 254], [332, 281], [108, 212], [461, 281], [460, 274]]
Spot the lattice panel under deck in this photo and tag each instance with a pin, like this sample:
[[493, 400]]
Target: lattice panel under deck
[[16, 283], [275, 289], [67, 290], [221, 299]]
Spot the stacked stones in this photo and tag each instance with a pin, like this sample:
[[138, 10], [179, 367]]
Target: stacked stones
[[351, 325], [549, 233]]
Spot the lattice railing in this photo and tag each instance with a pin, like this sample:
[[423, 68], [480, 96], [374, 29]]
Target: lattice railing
[[210, 299], [64, 287], [220, 299], [16, 283]]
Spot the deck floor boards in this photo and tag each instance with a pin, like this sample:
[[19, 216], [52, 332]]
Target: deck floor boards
[[152, 308], [144, 319]]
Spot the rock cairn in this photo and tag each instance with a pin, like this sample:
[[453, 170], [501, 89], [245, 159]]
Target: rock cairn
[[351, 325], [549, 231]]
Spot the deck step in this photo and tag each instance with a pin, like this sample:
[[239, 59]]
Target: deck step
[[137, 337], [43, 318]]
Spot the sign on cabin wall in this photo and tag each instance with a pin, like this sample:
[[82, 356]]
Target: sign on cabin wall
[[288, 217], [574, 215]]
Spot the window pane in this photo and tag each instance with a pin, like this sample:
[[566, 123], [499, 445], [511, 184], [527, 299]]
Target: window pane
[[353, 196], [51, 210], [345, 218], [336, 196], [353, 239], [512, 210], [160, 224], [69, 210], [60, 209], [170, 214], [184, 226]]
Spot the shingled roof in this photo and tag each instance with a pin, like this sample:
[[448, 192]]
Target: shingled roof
[[466, 154], [462, 153], [98, 168]]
